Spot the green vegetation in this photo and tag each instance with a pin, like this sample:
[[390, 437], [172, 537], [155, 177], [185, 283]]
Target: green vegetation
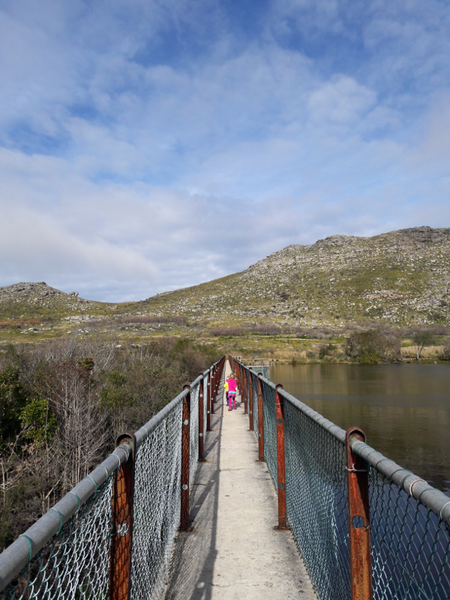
[[63, 403], [373, 346], [421, 338], [38, 421]]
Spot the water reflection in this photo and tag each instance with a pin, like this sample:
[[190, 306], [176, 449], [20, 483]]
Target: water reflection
[[403, 409]]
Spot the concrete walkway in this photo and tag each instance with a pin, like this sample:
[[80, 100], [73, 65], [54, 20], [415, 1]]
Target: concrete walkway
[[233, 552]]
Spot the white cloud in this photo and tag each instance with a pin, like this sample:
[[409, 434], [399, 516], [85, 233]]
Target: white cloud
[[126, 171], [340, 101]]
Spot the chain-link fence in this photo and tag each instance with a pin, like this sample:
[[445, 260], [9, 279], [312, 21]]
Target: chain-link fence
[[156, 505], [254, 403], [112, 535], [193, 438], [316, 499], [409, 520], [270, 430]]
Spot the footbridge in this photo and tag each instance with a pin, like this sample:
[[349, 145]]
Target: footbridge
[[270, 500]]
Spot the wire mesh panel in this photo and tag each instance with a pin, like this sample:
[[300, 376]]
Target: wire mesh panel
[[316, 502], [270, 431], [75, 563], [245, 390], [205, 405], [193, 452], [410, 545], [254, 388], [156, 506]]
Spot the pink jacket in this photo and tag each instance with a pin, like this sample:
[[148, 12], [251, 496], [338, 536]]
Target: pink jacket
[[232, 385]]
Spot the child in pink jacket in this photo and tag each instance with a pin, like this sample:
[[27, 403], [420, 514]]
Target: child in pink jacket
[[232, 388]]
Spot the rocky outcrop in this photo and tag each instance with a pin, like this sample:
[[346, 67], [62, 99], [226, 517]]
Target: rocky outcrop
[[18, 290], [424, 235], [337, 240]]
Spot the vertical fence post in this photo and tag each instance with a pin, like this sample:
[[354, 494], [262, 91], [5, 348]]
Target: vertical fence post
[[260, 421], [208, 401], [122, 524], [358, 520], [281, 463], [245, 389], [201, 424], [250, 400], [185, 458]]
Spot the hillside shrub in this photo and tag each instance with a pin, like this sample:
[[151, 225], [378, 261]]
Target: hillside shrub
[[326, 350], [12, 401], [374, 346], [422, 338], [446, 349]]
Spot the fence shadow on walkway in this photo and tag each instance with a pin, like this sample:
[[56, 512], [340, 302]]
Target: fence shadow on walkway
[[192, 563]]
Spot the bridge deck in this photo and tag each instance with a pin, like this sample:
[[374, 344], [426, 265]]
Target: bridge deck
[[233, 551]]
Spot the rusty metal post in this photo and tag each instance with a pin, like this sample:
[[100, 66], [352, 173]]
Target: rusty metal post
[[242, 387], [245, 389], [122, 524], [250, 401], [185, 458], [208, 402], [358, 520], [219, 378], [201, 423], [260, 421], [281, 463]]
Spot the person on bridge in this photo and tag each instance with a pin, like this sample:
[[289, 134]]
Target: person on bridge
[[232, 388], [226, 390]]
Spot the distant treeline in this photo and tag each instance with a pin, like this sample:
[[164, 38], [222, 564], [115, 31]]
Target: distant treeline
[[383, 343], [63, 403], [373, 343]]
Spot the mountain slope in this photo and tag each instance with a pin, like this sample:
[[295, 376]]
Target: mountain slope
[[402, 277]]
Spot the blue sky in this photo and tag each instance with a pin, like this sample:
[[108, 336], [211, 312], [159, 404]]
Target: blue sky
[[151, 145]]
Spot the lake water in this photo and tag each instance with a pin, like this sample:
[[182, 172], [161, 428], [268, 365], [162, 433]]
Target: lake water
[[404, 410]]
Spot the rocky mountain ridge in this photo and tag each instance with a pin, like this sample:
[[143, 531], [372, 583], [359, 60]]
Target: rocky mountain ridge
[[401, 278]]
